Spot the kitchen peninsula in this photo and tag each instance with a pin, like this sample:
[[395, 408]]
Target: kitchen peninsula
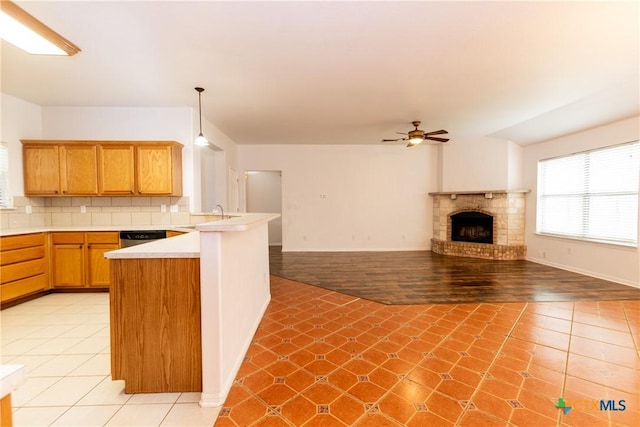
[[184, 310]]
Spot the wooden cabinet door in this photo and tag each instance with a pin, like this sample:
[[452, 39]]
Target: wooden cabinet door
[[79, 169], [116, 176], [67, 253], [154, 170], [68, 265], [98, 271], [41, 169]]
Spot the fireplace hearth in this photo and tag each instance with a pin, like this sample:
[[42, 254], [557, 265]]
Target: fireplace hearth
[[479, 224]]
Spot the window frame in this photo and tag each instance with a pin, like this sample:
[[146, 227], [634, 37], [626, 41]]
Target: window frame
[[5, 198], [584, 198]]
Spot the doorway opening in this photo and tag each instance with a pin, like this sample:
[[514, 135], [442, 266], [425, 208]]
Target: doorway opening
[[263, 191]]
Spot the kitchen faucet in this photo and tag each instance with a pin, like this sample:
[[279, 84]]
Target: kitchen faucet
[[217, 208]]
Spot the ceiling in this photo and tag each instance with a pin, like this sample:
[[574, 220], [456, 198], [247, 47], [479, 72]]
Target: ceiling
[[321, 72]]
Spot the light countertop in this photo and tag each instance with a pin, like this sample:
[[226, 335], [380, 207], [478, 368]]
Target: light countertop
[[61, 228], [11, 376], [188, 245], [183, 246]]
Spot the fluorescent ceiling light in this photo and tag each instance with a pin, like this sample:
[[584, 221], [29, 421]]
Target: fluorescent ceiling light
[[27, 33]]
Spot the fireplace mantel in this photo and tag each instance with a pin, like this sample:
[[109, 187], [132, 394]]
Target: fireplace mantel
[[485, 192], [507, 207]]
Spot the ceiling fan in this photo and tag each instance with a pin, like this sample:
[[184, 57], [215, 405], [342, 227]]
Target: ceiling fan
[[417, 136]]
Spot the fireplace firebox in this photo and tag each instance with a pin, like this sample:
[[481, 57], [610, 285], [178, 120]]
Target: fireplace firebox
[[474, 227]]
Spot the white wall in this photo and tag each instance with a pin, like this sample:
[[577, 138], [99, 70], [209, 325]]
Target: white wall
[[20, 120], [118, 123], [216, 168], [234, 297], [515, 159], [615, 263], [481, 163], [350, 197]]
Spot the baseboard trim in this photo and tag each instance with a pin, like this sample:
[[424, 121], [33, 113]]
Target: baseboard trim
[[585, 272]]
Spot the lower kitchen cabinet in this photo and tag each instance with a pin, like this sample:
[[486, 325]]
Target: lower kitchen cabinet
[[98, 271], [23, 265], [67, 253], [78, 258]]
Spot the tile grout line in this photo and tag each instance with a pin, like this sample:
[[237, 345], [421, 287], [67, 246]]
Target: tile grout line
[[498, 351], [631, 332], [566, 364]]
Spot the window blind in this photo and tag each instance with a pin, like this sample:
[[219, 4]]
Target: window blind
[[592, 195]]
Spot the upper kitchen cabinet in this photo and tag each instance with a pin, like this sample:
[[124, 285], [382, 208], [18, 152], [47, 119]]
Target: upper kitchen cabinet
[[41, 169], [102, 168], [117, 170], [159, 169], [79, 170]]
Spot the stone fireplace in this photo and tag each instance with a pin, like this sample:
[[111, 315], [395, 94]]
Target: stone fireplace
[[479, 224]]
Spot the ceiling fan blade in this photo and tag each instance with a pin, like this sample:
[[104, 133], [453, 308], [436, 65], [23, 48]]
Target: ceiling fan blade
[[402, 133], [392, 140], [436, 132], [433, 138]]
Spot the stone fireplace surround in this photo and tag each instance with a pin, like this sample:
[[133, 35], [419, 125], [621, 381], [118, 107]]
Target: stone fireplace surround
[[507, 207]]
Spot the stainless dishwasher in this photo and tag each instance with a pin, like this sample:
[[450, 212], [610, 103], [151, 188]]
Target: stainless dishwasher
[[137, 237]]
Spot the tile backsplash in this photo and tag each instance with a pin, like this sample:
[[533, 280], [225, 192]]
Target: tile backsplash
[[98, 211]]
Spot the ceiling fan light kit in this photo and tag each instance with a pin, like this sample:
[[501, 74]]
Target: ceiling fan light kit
[[417, 136], [200, 140]]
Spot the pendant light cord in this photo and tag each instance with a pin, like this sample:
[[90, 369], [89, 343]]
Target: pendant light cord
[[200, 106]]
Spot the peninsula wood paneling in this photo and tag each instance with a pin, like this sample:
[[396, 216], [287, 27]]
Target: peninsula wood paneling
[[155, 324]]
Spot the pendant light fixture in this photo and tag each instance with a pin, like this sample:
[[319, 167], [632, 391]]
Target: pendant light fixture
[[200, 140]]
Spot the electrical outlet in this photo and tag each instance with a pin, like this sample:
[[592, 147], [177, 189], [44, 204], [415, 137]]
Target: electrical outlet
[[174, 208], [83, 209], [163, 208], [28, 209]]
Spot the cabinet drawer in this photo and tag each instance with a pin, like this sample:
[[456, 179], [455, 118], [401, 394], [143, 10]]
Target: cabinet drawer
[[20, 241], [20, 255], [23, 287], [22, 270], [103, 237], [68, 238]]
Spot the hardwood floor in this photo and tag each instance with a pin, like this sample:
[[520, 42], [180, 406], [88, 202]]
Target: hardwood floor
[[422, 277]]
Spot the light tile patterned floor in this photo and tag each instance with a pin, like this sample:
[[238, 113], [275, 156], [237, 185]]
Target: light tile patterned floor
[[63, 340], [321, 358]]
